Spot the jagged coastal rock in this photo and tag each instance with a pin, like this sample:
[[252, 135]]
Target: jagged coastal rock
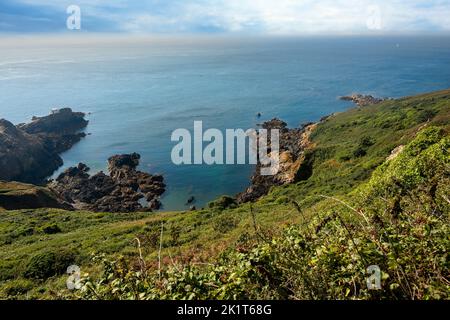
[[125, 189], [293, 161], [362, 100], [60, 130], [30, 152]]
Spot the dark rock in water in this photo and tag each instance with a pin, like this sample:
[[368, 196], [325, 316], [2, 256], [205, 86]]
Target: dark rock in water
[[16, 196], [293, 163], [30, 152], [192, 208], [61, 122], [191, 200], [59, 130], [127, 161], [120, 191], [259, 115], [362, 100]]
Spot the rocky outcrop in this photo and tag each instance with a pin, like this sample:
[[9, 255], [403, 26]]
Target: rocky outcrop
[[60, 130], [295, 161], [394, 153], [293, 144], [362, 100], [24, 157], [60, 122], [30, 152], [125, 189], [15, 196]]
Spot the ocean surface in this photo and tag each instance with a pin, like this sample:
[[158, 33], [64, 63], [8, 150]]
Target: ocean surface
[[137, 91]]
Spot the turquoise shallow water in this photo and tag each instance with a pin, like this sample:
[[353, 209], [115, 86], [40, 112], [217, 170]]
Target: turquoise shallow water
[[139, 91]]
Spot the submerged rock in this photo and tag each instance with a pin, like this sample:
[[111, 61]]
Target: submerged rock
[[190, 200], [120, 191]]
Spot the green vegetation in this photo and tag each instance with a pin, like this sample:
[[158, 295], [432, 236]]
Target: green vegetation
[[311, 240]]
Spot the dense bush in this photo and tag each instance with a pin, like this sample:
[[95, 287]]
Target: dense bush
[[225, 224], [223, 203], [47, 264], [363, 145], [51, 229], [17, 287]]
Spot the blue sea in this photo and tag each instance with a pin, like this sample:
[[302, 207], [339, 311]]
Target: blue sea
[[138, 90]]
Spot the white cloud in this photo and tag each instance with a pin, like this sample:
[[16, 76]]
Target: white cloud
[[268, 16], [336, 16]]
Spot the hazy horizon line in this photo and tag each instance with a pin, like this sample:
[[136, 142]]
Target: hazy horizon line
[[87, 34]]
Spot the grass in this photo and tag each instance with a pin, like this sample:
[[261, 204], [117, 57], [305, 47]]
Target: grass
[[349, 146]]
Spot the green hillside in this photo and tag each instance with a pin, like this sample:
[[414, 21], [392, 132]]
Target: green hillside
[[310, 240]]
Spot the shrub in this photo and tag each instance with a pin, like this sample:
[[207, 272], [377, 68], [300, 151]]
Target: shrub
[[17, 287], [223, 203], [425, 115], [7, 270], [363, 145], [47, 264], [51, 229], [224, 224], [359, 152], [282, 200], [174, 234]]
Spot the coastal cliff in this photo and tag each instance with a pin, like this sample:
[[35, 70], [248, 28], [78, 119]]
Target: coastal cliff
[[295, 158], [379, 176], [30, 152], [293, 164]]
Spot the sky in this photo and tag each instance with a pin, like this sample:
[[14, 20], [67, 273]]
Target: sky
[[285, 17]]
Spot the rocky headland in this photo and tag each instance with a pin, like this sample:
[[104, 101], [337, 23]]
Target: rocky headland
[[294, 162], [30, 152], [125, 189], [363, 100]]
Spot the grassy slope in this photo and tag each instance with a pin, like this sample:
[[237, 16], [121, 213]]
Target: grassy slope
[[201, 235]]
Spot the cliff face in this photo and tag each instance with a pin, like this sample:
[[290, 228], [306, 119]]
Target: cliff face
[[293, 164], [59, 131], [29, 152], [24, 157]]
